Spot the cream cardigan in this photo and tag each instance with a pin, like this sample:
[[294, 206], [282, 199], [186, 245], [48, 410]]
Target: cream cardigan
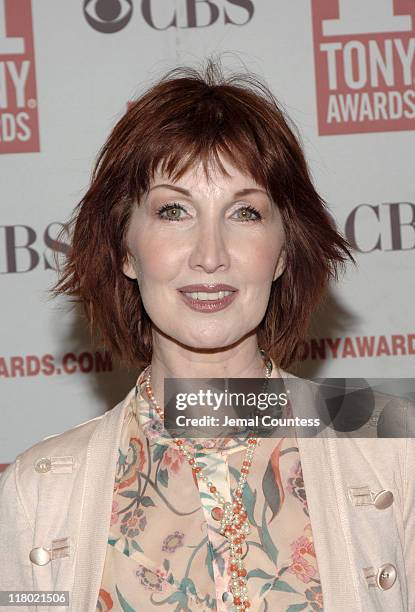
[[57, 495]]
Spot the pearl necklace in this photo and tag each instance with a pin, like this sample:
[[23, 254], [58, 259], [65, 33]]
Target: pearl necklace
[[233, 517]]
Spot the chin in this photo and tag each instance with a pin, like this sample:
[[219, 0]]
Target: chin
[[210, 341]]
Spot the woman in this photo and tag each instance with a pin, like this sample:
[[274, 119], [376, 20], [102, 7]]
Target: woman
[[201, 249]]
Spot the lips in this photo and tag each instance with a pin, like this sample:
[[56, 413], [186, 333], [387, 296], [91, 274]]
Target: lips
[[208, 297]]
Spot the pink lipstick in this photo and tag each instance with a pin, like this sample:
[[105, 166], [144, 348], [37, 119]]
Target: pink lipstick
[[208, 297]]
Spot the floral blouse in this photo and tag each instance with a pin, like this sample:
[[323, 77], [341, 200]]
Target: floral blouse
[[164, 549]]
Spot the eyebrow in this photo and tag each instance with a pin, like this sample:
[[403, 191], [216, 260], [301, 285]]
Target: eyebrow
[[186, 192]]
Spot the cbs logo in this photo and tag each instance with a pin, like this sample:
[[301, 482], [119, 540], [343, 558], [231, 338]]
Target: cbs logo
[[109, 16]]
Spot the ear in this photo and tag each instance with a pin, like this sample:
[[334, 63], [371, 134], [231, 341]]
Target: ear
[[280, 267], [128, 267]]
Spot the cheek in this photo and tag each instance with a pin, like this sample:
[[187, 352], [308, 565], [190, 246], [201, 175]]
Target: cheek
[[157, 261], [260, 258]]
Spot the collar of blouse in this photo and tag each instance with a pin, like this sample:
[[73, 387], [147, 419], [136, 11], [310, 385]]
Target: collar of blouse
[[153, 429]]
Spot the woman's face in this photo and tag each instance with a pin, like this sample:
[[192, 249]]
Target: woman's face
[[205, 254]]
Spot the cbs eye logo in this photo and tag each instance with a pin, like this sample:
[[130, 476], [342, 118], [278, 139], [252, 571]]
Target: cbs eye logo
[[108, 16]]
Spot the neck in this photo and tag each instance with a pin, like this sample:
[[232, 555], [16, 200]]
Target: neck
[[170, 360]]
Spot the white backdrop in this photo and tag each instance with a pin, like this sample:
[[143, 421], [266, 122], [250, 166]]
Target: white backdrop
[[344, 71]]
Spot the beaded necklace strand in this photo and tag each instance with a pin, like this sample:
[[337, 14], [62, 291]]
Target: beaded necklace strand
[[234, 523]]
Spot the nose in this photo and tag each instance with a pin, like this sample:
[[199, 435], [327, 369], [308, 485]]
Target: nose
[[210, 251]]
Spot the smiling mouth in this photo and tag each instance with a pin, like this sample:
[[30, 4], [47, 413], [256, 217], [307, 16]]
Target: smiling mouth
[[208, 298]]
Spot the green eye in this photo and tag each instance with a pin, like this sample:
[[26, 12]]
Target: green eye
[[248, 213], [171, 212]]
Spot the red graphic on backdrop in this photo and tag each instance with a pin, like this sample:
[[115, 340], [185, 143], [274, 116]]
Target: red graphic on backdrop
[[19, 128], [365, 65], [353, 347]]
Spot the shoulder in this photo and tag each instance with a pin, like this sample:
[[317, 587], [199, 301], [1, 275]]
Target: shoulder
[[66, 451], [51, 474]]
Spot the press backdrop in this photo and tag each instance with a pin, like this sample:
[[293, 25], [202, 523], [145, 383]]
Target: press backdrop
[[343, 70]]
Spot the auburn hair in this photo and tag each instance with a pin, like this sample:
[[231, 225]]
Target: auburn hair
[[194, 116]]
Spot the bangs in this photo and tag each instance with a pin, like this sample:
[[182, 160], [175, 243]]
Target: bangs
[[175, 163]]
